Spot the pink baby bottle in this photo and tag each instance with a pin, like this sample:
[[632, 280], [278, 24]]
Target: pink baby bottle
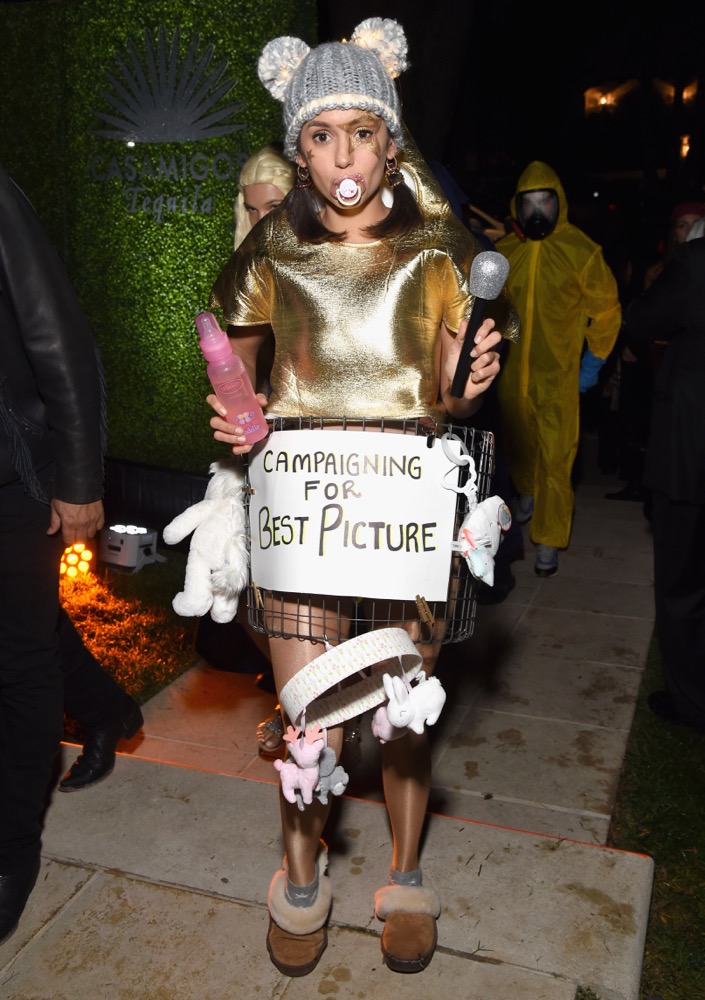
[[229, 379]]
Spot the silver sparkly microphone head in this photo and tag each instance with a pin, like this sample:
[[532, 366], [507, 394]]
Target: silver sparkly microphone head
[[487, 275]]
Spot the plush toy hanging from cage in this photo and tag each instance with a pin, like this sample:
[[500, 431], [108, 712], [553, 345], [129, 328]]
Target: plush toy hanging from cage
[[482, 528], [311, 769], [218, 559]]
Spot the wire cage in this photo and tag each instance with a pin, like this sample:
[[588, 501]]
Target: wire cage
[[334, 619]]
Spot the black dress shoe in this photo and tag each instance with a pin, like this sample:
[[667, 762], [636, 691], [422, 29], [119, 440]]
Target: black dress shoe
[[98, 758], [14, 893]]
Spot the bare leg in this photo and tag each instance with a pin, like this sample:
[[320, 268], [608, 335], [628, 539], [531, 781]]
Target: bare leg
[[409, 909], [302, 829], [299, 895], [406, 777]]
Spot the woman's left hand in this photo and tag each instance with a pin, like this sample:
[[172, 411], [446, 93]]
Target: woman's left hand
[[230, 433]]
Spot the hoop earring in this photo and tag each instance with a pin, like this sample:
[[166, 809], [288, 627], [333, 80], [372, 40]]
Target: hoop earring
[[393, 173], [303, 178]]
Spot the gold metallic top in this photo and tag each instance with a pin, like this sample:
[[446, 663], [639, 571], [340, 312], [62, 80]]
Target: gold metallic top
[[356, 325]]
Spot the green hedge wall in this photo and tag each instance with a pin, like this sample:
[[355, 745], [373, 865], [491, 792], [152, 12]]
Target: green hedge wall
[[143, 228]]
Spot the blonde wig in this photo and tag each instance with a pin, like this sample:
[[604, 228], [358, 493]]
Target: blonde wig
[[266, 166]]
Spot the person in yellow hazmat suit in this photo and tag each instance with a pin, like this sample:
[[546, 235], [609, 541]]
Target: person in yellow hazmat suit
[[567, 300]]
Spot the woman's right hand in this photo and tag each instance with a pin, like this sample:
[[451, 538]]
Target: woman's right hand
[[230, 433]]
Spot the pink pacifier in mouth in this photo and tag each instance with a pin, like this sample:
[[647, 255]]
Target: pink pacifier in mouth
[[349, 190]]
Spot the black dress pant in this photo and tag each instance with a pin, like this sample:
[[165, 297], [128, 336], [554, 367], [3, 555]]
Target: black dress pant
[[679, 591], [91, 695], [31, 689]]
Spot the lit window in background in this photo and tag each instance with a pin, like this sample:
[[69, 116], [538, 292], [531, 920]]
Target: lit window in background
[[608, 96], [690, 92], [667, 91], [685, 146], [76, 561]]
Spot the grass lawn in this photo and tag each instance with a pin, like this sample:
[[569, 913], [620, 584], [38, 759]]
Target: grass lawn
[[127, 621], [660, 811]]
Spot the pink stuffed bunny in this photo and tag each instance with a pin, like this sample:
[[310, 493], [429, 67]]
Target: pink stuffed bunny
[[382, 729]]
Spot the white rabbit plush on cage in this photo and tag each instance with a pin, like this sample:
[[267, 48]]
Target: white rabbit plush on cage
[[411, 707], [218, 559], [485, 522], [480, 535]]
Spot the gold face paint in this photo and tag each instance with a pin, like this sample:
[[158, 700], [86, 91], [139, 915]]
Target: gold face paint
[[363, 131], [343, 150]]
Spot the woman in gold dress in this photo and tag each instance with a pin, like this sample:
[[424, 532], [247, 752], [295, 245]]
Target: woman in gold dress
[[363, 276]]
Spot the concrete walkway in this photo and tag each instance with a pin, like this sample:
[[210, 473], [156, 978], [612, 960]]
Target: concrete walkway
[[154, 882]]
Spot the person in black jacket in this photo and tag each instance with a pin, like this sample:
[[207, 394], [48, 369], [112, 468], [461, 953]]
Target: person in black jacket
[[672, 311], [51, 487]]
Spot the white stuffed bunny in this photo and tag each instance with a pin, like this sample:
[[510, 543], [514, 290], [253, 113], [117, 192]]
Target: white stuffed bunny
[[480, 535], [218, 559], [413, 708]]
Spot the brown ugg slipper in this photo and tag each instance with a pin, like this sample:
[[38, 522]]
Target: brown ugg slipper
[[297, 935], [409, 937]]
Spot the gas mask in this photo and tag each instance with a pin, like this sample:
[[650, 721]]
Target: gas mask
[[537, 212]]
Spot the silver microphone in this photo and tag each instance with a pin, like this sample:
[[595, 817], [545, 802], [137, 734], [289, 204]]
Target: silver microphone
[[487, 276]]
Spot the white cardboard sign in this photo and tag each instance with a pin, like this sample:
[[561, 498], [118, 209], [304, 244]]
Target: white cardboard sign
[[352, 513]]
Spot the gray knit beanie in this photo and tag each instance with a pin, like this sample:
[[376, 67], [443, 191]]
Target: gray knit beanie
[[355, 74]]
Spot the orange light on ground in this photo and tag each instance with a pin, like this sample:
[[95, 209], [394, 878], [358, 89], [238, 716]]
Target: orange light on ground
[[76, 561]]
